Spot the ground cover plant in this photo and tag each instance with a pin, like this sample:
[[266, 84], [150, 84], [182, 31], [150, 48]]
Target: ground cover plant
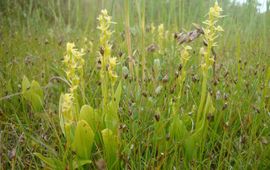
[[143, 84]]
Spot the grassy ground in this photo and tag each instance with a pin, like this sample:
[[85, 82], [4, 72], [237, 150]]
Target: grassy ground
[[33, 38]]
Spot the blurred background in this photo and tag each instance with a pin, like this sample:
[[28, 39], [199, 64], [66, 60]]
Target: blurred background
[[244, 15], [33, 35]]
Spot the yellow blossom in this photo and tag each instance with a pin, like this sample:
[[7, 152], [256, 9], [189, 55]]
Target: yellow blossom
[[112, 74], [211, 34], [105, 22], [161, 30], [70, 47], [215, 11], [161, 37], [112, 62], [67, 107], [185, 56], [74, 63]]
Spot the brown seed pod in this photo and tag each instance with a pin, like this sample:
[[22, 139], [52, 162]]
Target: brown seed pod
[[180, 67], [157, 117], [225, 106], [165, 79], [210, 117], [46, 42], [152, 48], [101, 51], [144, 94]]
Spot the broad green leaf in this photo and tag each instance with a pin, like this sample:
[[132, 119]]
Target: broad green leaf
[[69, 131], [36, 88], [111, 118], [25, 84], [51, 162], [88, 114], [110, 148], [79, 163], [36, 101], [36, 96], [33, 93], [83, 140]]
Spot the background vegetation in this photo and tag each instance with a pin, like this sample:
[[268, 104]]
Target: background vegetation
[[33, 36]]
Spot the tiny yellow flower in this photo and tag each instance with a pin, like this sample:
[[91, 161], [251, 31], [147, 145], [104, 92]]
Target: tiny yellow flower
[[74, 63], [210, 35], [185, 56], [188, 48], [219, 28], [161, 37], [161, 30], [67, 107], [202, 51], [70, 47], [112, 62], [105, 22], [215, 11], [217, 7]]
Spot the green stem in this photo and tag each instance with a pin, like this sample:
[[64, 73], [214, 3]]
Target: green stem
[[143, 41], [203, 97], [128, 38], [181, 81]]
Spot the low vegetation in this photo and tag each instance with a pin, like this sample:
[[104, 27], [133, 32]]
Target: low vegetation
[[134, 85]]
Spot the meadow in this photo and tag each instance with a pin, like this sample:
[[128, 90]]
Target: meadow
[[134, 84]]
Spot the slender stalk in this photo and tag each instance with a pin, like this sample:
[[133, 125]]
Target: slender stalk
[[203, 97], [59, 11], [128, 39], [69, 12], [78, 15], [141, 15], [143, 40], [238, 55], [214, 73]]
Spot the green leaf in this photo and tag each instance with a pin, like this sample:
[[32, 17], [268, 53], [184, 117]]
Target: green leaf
[[111, 118], [110, 147], [51, 162], [9, 86], [61, 100], [83, 140], [117, 94], [159, 136], [190, 147], [88, 114], [79, 163], [36, 102], [201, 125], [33, 93], [177, 129], [36, 88], [25, 84]]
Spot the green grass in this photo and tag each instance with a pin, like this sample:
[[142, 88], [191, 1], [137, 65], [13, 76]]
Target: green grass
[[33, 36]]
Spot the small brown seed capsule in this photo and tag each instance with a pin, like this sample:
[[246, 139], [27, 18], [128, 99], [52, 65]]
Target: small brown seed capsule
[[157, 117], [165, 78]]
